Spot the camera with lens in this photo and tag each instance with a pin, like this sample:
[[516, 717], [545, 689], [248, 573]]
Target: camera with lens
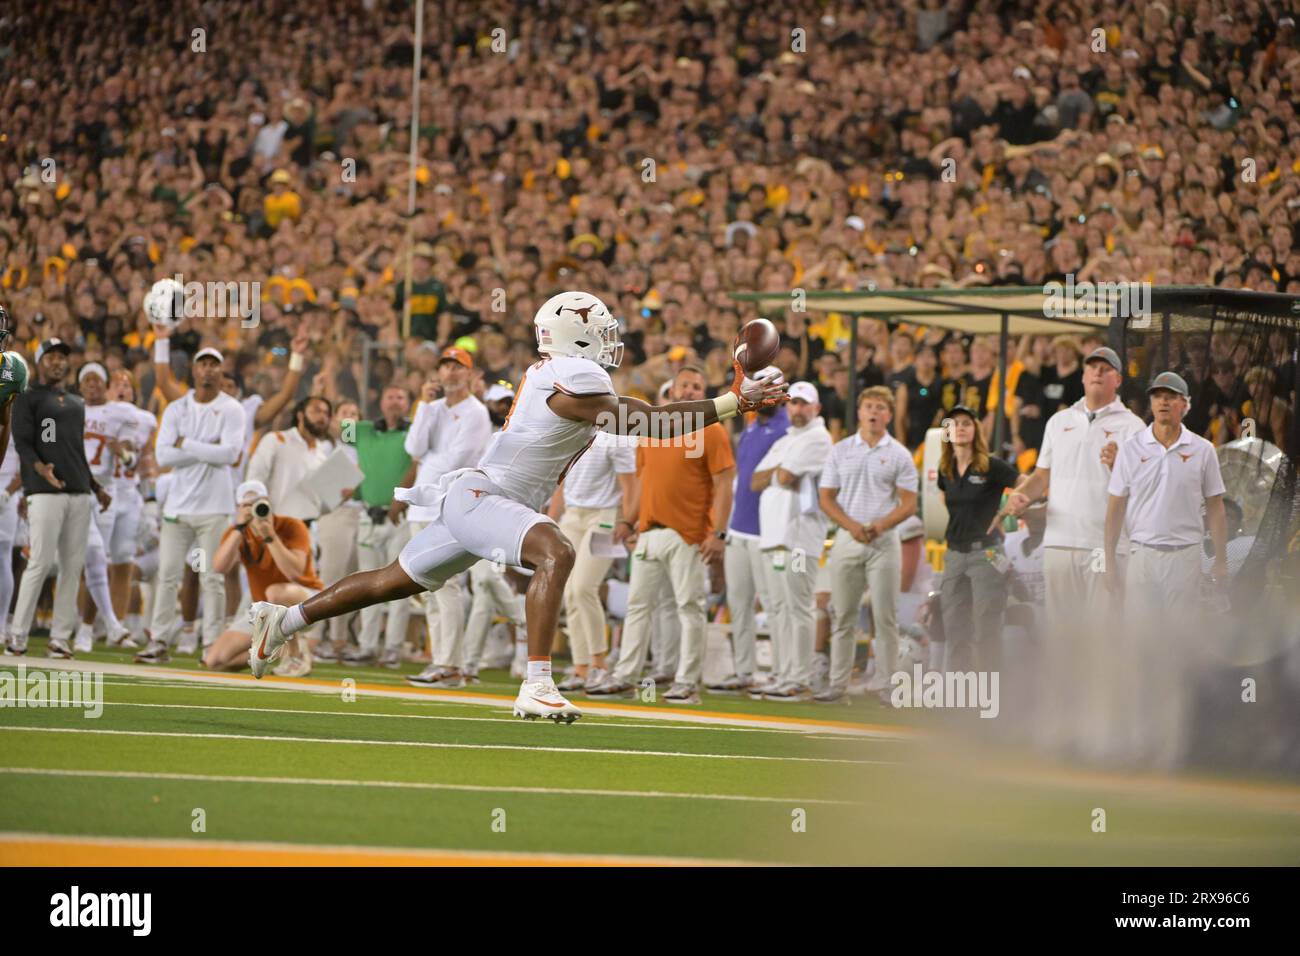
[[261, 508]]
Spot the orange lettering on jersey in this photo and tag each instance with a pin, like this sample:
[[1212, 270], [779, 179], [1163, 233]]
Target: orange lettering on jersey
[[99, 449]]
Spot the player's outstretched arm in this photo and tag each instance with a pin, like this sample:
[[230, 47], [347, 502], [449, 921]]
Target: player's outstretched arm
[[623, 415]]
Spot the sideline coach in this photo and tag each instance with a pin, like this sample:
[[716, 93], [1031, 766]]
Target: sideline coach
[[1163, 476]]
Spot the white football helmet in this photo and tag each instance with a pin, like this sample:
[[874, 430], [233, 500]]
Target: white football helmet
[[578, 324], [164, 303]]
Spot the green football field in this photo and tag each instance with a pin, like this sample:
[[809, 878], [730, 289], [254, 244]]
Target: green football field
[[184, 767]]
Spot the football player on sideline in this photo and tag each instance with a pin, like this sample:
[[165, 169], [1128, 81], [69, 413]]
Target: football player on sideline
[[108, 425], [128, 500], [494, 510], [12, 380]]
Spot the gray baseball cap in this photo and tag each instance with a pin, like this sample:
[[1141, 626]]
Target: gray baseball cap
[[1106, 355], [1170, 380]]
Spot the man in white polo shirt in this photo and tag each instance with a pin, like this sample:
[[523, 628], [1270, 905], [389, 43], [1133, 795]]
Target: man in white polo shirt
[[201, 435], [868, 488], [792, 534], [1073, 470], [1164, 476], [448, 433]]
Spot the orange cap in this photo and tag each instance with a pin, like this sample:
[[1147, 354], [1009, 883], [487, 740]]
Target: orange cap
[[457, 355]]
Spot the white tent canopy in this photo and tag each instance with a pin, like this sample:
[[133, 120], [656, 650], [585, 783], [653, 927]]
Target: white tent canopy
[[1030, 310]]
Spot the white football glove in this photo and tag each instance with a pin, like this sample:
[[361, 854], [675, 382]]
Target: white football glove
[[765, 389]]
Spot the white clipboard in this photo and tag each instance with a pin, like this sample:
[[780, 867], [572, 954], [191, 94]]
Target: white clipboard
[[323, 487], [602, 545]]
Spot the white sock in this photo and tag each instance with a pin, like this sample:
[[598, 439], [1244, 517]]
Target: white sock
[[83, 631], [96, 576], [135, 624], [539, 670], [293, 621]]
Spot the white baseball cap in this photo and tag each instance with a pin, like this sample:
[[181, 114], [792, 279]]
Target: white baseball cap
[[210, 353], [250, 491], [805, 392], [91, 368], [496, 392]]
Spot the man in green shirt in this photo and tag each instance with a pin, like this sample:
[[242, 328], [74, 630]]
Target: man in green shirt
[[428, 296], [382, 531]]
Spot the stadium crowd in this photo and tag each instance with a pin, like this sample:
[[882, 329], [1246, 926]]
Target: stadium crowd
[[658, 155]]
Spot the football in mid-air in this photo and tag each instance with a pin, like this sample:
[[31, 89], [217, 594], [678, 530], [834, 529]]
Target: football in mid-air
[[757, 345], [164, 301]]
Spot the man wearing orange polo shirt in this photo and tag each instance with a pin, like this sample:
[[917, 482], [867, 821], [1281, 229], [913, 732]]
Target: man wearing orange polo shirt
[[685, 498]]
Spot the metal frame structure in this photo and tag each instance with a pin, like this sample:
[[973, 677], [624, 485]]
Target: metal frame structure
[[1021, 310], [1004, 311]]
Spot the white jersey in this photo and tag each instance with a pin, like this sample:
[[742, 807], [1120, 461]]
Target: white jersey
[[9, 465], [104, 423], [250, 405], [144, 424], [535, 446]]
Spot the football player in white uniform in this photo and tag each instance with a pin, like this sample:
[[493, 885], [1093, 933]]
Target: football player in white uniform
[[494, 510], [128, 502], [107, 425]]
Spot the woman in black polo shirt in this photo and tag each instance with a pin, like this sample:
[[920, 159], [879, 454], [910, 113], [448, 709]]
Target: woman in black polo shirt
[[973, 593]]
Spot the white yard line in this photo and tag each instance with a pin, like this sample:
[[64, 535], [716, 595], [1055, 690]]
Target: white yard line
[[434, 745], [601, 710], [405, 785]]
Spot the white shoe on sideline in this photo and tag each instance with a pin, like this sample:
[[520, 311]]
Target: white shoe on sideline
[[267, 636], [541, 698], [120, 637], [293, 667], [189, 642], [85, 642]]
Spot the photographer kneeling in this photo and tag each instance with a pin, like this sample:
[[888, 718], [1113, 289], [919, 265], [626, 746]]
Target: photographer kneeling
[[276, 554]]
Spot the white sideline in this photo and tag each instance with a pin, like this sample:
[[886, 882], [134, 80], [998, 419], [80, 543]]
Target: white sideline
[[412, 785], [677, 715], [482, 720], [433, 745]]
